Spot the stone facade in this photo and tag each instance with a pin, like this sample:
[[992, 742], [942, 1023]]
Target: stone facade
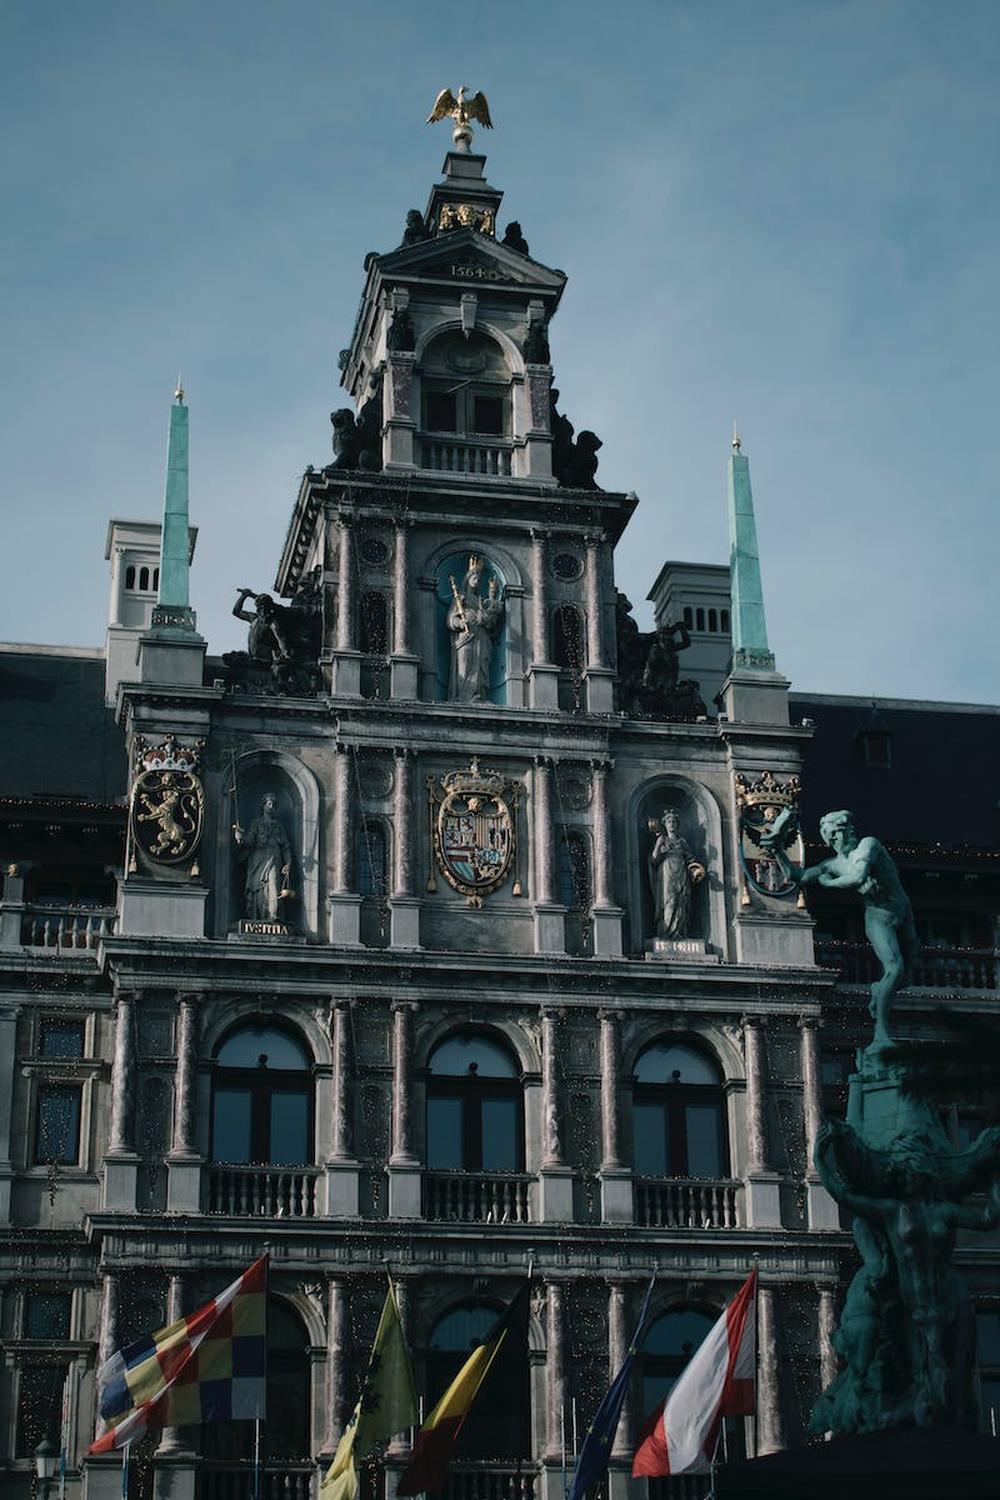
[[117, 1094]]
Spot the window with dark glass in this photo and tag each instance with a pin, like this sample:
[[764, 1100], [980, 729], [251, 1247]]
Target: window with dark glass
[[677, 1114], [487, 415], [130, 576], [724, 619], [688, 616], [475, 1117], [39, 1407], [499, 1425], [144, 579], [699, 615], [441, 411], [262, 1099], [46, 1315], [286, 1431], [61, 1038], [373, 863], [713, 620], [57, 1124], [156, 579]]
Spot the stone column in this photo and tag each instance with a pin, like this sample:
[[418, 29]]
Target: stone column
[[543, 673], [171, 1440], [115, 612], [404, 1167], [616, 1179], [346, 657], [121, 1164], [822, 1210], [345, 903], [555, 1371], [404, 905], [404, 1286], [763, 1204], [183, 1162], [8, 1055], [770, 1426], [549, 920], [107, 1331], [342, 1172], [618, 1332], [600, 678], [403, 664], [337, 1335], [607, 915], [827, 1325]]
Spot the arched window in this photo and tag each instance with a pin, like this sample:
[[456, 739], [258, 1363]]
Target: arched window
[[713, 620], [144, 580], [678, 1116], [475, 1114], [130, 576], [156, 579], [569, 639], [373, 860], [495, 1428], [262, 1098], [688, 616], [669, 1344], [724, 618], [699, 616]]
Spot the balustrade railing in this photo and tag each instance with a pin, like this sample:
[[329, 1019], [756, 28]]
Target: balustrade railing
[[265, 1192], [71, 929], [229, 1481], [484, 1481], [687, 1203], [463, 457], [476, 1197], [936, 968]]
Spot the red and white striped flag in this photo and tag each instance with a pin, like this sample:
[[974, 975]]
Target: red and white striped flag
[[718, 1381]]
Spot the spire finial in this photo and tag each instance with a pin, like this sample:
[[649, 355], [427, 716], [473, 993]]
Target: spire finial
[[737, 445], [179, 392], [462, 110]]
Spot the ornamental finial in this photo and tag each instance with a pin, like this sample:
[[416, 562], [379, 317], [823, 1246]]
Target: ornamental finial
[[461, 110], [737, 445], [179, 392]]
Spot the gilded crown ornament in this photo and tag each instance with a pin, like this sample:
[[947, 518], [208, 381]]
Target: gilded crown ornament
[[769, 814], [461, 110]]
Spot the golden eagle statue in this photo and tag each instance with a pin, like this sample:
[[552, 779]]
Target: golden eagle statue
[[462, 111]]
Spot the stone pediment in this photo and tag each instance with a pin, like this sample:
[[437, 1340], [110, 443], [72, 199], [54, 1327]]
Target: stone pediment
[[465, 256]]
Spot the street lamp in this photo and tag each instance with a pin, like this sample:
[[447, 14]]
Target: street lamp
[[46, 1458]]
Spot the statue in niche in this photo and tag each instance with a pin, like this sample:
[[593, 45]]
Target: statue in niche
[[649, 681], [416, 230], [402, 335], [513, 237], [474, 623], [265, 847], [862, 865], [673, 874]]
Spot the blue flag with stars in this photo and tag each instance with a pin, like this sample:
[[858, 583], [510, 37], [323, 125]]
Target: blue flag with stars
[[596, 1451]]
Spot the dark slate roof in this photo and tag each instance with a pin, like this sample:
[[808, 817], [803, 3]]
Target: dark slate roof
[[942, 786], [57, 739]]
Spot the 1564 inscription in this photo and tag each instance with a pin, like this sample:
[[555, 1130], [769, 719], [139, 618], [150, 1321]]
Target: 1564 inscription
[[474, 830]]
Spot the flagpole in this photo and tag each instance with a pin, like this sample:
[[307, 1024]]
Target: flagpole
[[562, 1445], [756, 1351], [125, 1464]]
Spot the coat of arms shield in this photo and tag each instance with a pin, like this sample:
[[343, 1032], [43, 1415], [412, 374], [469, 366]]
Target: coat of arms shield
[[474, 831]]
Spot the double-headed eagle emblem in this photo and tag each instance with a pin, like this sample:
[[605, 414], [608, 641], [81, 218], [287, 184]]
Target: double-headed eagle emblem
[[462, 111]]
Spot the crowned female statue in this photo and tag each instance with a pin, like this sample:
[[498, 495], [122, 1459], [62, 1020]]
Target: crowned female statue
[[474, 622]]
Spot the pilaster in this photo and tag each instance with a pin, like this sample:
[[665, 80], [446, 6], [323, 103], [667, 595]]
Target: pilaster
[[607, 915], [346, 658], [762, 1184], [344, 900], [184, 1163], [770, 1422], [343, 1184], [550, 917], [543, 674], [403, 664], [121, 1163], [822, 1210], [617, 1205], [599, 676], [404, 1166]]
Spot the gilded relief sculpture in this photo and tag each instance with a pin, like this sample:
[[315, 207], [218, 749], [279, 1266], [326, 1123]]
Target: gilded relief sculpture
[[474, 622]]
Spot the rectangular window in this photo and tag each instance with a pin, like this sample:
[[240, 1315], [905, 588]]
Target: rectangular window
[[39, 1407], [650, 1130], [500, 1153], [442, 412], [231, 1125], [46, 1315], [289, 1128], [57, 1124], [487, 415], [704, 1157], [444, 1133], [61, 1039]]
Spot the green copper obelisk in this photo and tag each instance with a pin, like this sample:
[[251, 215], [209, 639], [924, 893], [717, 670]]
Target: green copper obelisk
[[749, 627], [173, 607]]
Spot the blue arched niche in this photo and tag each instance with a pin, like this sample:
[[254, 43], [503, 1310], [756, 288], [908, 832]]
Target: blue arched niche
[[455, 565]]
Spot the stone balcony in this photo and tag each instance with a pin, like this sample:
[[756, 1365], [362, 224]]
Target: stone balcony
[[938, 968]]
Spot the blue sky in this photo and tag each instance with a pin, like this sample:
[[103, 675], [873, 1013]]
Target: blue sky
[[786, 214]]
